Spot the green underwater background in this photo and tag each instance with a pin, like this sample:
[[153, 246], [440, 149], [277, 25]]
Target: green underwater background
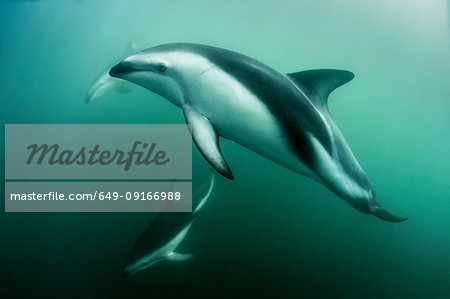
[[270, 232]]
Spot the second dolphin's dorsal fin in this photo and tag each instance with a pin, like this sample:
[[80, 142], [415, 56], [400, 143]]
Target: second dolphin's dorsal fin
[[320, 83], [132, 47]]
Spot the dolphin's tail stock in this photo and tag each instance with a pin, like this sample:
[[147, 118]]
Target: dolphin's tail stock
[[382, 213]]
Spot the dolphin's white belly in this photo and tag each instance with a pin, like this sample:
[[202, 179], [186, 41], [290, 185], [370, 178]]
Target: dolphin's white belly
[[240, 116]]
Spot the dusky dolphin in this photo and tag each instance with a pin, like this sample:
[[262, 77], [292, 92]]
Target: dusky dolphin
[[104, 82], [162, 237], [284, 118]]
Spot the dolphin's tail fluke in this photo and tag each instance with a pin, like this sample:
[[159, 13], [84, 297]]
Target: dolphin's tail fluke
[[377, 210], [384, 214]]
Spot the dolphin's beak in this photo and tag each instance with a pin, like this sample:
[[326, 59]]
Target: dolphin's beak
[[118, 69]]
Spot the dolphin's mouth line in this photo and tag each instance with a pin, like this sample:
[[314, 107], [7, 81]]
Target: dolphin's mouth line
[[121, 68], [118, 70]]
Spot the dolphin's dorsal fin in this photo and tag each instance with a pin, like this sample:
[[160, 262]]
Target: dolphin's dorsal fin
[[206, 138], [132, 47], [320, 83], [178, 257]]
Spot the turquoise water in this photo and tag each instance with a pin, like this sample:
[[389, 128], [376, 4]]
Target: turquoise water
[[270, 232]]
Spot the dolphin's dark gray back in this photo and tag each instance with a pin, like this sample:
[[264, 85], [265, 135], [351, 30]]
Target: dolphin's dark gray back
[[291, 108]]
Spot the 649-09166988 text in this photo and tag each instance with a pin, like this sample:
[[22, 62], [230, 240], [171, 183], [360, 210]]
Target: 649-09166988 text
[[102, 195]]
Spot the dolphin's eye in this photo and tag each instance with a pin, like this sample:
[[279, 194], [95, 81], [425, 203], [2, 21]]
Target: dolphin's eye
[[161, 68]]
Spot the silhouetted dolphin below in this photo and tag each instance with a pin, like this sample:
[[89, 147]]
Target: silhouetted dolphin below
[[163, 235], [282, 117]]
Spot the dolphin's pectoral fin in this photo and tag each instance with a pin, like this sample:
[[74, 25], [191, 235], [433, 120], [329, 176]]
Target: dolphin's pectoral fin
[[384, 214], [322, 82], [178, 257], [206, 138]]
